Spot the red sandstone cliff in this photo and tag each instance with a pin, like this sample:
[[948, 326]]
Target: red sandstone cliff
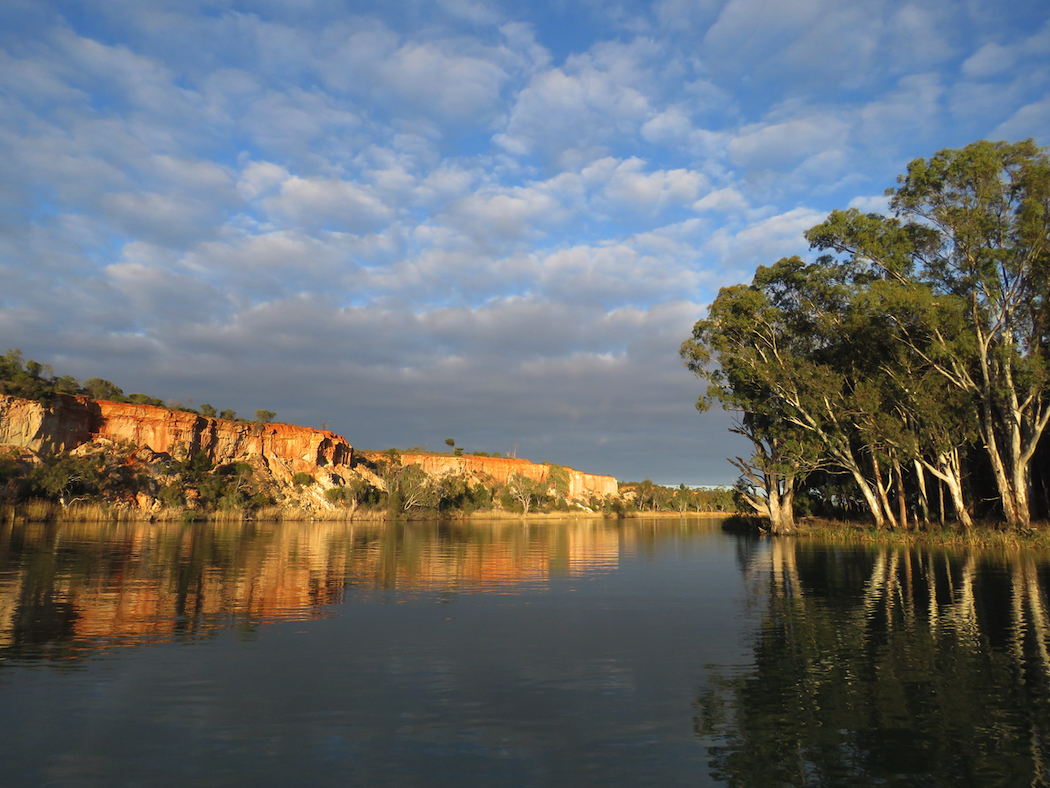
[[581, 485], [68, 422]]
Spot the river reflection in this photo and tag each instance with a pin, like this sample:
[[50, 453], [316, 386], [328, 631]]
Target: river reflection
[[66, 591], [591, 652], [887, 666]]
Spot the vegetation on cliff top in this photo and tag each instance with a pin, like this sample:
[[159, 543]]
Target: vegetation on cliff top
[[28, 379]]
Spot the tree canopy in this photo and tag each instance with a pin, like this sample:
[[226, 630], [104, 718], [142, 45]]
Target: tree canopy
[[913, 349]]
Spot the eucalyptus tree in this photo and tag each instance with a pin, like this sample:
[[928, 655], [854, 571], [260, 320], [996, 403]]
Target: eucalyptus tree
[[831, 387], [749, 356], [522, 490], [807, 354], [970, 235]]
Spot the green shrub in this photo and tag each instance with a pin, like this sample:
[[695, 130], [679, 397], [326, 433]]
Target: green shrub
[[172, 496], [337, 495]]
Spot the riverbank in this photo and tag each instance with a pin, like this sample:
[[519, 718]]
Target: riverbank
[[990, 535], [50, 511]]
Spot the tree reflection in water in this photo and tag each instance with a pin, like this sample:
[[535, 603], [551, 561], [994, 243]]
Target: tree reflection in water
[[886, 667]]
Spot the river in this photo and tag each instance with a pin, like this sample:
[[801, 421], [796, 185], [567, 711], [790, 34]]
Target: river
[[565, 653]]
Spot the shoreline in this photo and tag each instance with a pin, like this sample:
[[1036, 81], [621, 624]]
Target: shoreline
[[843, 532], [51, 512]]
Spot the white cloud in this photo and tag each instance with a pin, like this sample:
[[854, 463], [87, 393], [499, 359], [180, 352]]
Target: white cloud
[[618, 273], [989, 60], [727, 200], [625, 186], [1031, 120], [506, 214], [174, 219], [261, 177], [871, 204], [914, 106], [761, 243], [455, 85], [780, 145], [328, 204], [581, 106], [667, 127]]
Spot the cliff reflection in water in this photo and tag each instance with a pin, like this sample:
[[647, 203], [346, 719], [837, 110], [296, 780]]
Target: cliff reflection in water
[[67, 591], [887, 667]]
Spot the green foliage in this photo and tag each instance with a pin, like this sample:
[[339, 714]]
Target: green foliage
[[338, 495], [264, 416], [68, 478], [480, 497], [521, 492], [30, 380], [66, 384], [172, 496], [209, 411], [302, 479], [10, 473], [62, 475], [449, 442], [914, 342], [229, 415], [410, 488], [558, 479], [194, 466], [98, 388], [144, 399]]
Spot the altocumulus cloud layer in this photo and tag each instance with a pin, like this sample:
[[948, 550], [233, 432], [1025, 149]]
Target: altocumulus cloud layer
[[490, 221]]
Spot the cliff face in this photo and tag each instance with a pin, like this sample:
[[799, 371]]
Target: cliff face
[[221, 440], [62, 425], [581, 485], [281, 449], [68, 422]]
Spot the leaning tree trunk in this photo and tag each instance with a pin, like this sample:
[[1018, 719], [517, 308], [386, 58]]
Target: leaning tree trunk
[[924, 498], [782, 512], [948, 471]]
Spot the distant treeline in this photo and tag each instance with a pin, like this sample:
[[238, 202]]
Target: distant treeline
[[904, 374], [647, 496]]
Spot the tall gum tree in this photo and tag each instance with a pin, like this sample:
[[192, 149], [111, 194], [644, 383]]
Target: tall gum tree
[[761, 359], [808, 354], [971, 225]]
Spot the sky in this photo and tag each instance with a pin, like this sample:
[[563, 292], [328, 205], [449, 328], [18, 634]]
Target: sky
[[493, 221]]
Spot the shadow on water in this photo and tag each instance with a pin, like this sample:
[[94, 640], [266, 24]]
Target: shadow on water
[[886, 666]]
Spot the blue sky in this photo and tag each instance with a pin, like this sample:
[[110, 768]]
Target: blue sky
[[489, 221]]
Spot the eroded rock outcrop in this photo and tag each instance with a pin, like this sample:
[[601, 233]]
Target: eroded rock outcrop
[[61, 425], [69, 422], [276, 452], [500, 469]]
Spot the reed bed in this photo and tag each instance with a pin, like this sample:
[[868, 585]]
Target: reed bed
[[54, 512], [984, 535]]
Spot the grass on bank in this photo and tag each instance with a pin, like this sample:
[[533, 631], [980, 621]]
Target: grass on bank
[[988, 534]]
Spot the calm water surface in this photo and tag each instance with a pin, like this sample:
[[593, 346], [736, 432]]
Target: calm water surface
[[659, 653]]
